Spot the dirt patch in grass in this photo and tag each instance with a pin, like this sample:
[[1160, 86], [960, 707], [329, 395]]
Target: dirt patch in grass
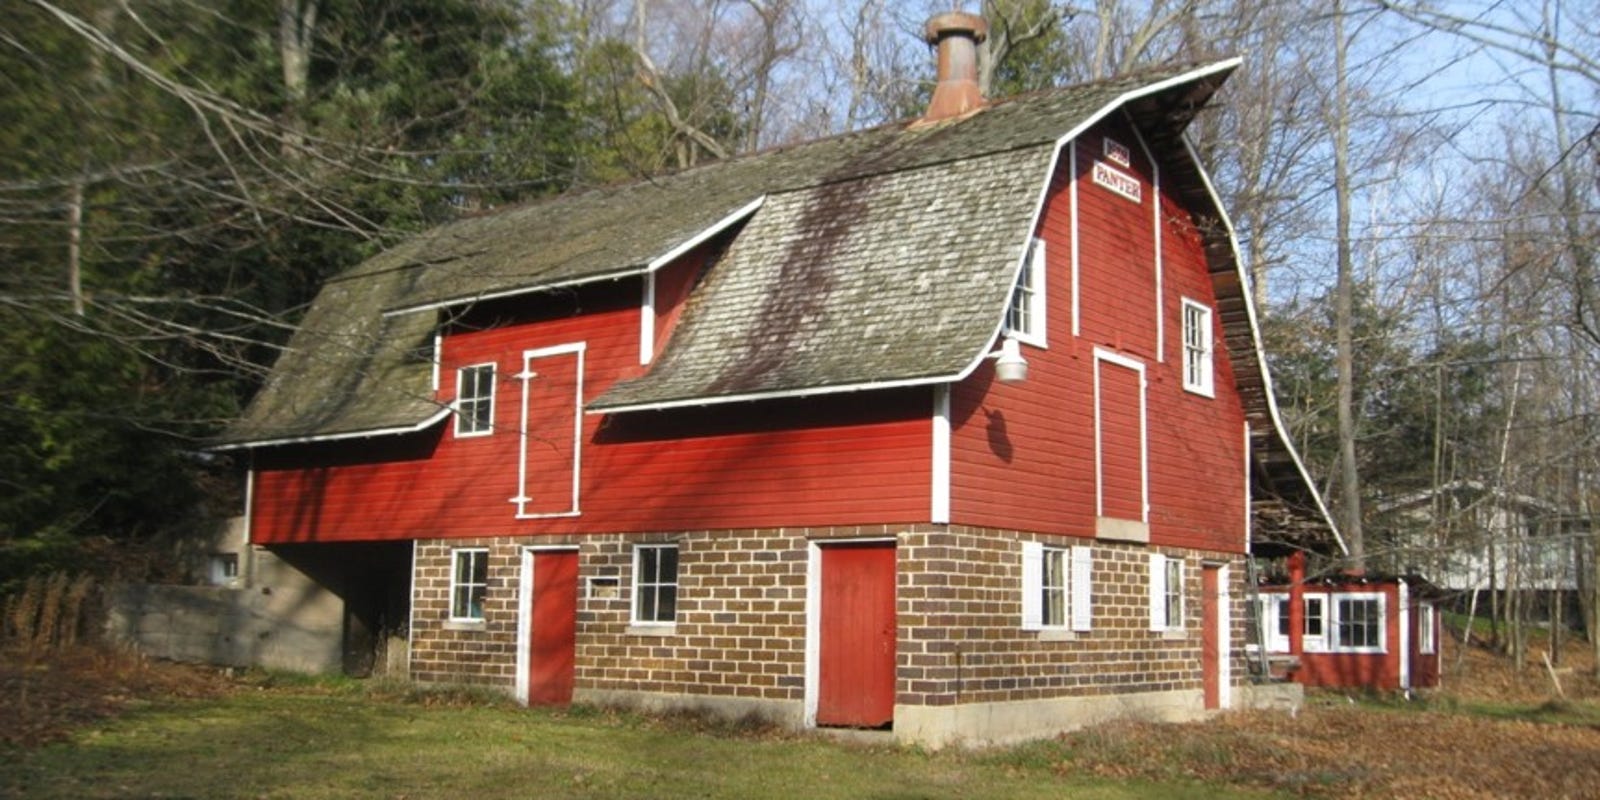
[[45, 696]]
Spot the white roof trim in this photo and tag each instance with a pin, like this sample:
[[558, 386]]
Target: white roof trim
[[699, 238], [333, 437], [1260, 350], [627, 272]]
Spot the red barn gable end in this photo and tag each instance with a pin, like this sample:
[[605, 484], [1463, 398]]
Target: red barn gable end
[[711, 392]]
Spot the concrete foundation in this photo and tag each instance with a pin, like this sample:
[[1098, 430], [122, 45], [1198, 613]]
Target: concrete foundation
[[783, 713], [987, 724]]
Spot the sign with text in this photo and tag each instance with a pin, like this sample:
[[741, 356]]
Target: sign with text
[[1116, 153], [1118, 181]]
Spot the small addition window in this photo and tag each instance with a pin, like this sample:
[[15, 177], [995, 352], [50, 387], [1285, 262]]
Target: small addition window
[[1054, 587], [469, 583], [1357, 623], [1197, 349], [475, 400], [655, 584], [1425, 629], [1315, 628], [1025, 316], [1166, 593]]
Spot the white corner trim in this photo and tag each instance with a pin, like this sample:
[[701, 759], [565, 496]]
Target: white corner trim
[[1260, 349], [647, 320], [524, 622], [813, 654], [526, 376], [940, 510], [438, 358], [336, 437], [1072, 203], [1404, 620], [1249, 518]]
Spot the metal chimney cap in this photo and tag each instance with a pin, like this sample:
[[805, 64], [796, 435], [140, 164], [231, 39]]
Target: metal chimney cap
[[956, 22]]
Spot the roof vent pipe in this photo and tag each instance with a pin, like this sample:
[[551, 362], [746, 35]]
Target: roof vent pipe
[[957, 35]]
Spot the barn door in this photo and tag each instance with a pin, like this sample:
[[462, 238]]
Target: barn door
[[856, 647], [552, 627], [1210, 637]]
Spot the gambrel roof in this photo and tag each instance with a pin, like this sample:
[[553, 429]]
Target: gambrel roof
[[877, 258]]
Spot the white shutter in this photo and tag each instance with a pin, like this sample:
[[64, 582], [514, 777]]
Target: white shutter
[[1032, 586], [1158, 592], [1082, 589]]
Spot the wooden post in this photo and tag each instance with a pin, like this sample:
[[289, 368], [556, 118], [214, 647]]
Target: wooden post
[[1297, 605]]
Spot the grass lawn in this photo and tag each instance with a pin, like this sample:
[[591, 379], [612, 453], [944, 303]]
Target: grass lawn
[[326, 743]]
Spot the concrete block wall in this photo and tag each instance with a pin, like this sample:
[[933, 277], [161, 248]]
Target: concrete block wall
[[741, 620]]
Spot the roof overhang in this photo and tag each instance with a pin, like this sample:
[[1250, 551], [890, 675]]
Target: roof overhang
[[425, 424]]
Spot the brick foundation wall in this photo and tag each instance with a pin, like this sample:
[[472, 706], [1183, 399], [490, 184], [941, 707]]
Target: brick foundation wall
[[741, 620]]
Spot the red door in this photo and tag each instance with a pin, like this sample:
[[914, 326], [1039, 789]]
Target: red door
[[1210, 639], [555, 618], [856, 653]]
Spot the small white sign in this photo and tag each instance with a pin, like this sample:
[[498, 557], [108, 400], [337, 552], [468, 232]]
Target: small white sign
[[1117, 154], [1117, 181]]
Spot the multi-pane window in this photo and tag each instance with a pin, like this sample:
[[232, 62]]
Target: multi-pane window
[[1054, 588], [469, 583], [1357, 622], [1197, 372], [1316, 629], [1166, 593], [655, 584], [475, 400], [1025, 316], [1057, 584]]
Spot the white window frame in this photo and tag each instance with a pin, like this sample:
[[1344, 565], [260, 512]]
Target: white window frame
[[1427, 639], [476, 558], [1166, 592], [641, 586], [1274, 620], [1026, 307], [1073, 580], [1199, 347], [466, 406], [1317, 642], [1336, 622]]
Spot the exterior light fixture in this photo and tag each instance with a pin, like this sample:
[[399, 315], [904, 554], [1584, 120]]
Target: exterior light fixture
[[1009, 365]]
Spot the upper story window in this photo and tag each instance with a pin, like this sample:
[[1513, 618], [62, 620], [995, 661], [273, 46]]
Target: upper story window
[[475, 400], [1197, 349], [469, 583], [1025, 316], [655, 584]]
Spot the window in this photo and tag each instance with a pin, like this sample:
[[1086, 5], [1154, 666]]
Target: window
[[224, 569], [1197, 370], [1166, 593], [1025, 315], [1316, 630], [655, 584], [475, 400], [469, 582], [1357, 623], [1425, 629], [1056, 584]]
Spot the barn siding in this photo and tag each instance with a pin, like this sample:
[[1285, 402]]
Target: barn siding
[[827, 461], [1023, 456]]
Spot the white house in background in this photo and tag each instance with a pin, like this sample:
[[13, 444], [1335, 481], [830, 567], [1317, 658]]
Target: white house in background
[[1469, 535]]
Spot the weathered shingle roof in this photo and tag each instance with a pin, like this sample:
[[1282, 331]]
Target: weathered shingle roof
[[877, 257]]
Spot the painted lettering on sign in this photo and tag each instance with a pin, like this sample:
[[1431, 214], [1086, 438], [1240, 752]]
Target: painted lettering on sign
[[1117, 181], [1116, 153]]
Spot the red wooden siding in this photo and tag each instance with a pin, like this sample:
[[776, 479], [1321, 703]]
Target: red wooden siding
[[857, 459], [1023, 455]]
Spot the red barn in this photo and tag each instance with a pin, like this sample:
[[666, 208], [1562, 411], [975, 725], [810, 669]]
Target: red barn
[[750, 438]]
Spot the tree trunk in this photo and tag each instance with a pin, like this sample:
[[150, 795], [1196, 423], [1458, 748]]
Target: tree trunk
[[1349, 476]]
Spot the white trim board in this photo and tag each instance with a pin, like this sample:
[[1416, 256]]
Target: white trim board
[[336, 437], [527, 375]]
